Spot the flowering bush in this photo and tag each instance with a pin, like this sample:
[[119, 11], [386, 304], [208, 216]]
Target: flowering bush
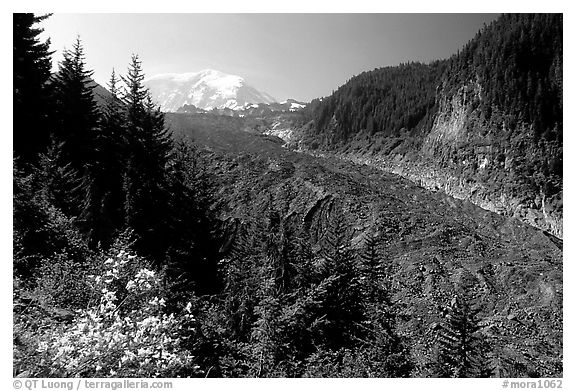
[[126, 331]]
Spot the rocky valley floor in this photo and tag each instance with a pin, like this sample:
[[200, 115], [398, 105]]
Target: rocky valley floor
[[435, 246]]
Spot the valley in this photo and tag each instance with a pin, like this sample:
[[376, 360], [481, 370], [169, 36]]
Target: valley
[[435, 245], [409, 224], [483, 125]]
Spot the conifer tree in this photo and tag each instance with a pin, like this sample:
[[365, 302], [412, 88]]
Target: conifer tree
[[41, 230], [239, 275], [112, 143], [375, 283], [289, 254], [192, 255], [31, 72], [387, 353], [102, 209], [145, 180], [343, 303], [265, 336], [305, 272], [280, 248], [30, 236], [60, 184], [460, 346], [76, 112], [133, 99]]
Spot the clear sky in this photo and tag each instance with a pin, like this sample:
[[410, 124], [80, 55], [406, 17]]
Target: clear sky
[[301, 56]]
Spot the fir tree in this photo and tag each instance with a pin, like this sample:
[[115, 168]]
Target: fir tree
[[31, 71], [279, 248], [192, 254], [303, 260], [343, 303], [239, 275], [102, 209], [376, 283], [41, 229], [145, 180], [386, 352], [265, 336], [461, 352], [289, 254], [76, 112], [60, 184]]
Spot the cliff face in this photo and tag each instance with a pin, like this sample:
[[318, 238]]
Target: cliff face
[[468, 159], [484, 125], [459, 126], [542, 213], [454, 113]]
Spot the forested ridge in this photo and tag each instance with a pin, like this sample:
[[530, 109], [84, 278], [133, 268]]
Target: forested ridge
[[517, 60], [498, 98], [147, 245]]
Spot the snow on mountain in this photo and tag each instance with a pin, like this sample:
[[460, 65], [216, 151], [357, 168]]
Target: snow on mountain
[[207, 89], [295, 106]]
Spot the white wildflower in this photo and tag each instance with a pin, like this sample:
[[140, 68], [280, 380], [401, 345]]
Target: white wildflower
[[109, 296], [42, 346]]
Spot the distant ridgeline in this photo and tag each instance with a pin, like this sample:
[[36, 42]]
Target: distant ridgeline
[[484, 125]]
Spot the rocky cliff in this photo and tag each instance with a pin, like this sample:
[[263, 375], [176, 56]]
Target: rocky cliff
[[469, 160], [484, 125]]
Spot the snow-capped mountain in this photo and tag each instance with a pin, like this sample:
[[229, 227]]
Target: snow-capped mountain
[[249, 110], [293, 105], [208, 89]]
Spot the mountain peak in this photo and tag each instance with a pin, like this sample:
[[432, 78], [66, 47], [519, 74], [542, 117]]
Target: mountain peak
[[206, 89]]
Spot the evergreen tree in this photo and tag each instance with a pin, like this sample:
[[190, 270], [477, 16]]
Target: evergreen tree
[[76, 112], [280, 248], [192, 254], [375, 281], [240, 277], [59, 183], [145, 180], [31, 72], [41, 229], [461, 352], [289, 255], [31, 239], [265, 336], [343, 303], [303, 259], [383, 348], [102, 209]]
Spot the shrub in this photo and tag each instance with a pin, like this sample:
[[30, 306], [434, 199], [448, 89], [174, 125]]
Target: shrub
[[60, 281], [126, 331]]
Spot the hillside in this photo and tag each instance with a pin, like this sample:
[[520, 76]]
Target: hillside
[[434, 245], [484, 125]]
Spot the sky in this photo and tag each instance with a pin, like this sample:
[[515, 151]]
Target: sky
[[299, 56]]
